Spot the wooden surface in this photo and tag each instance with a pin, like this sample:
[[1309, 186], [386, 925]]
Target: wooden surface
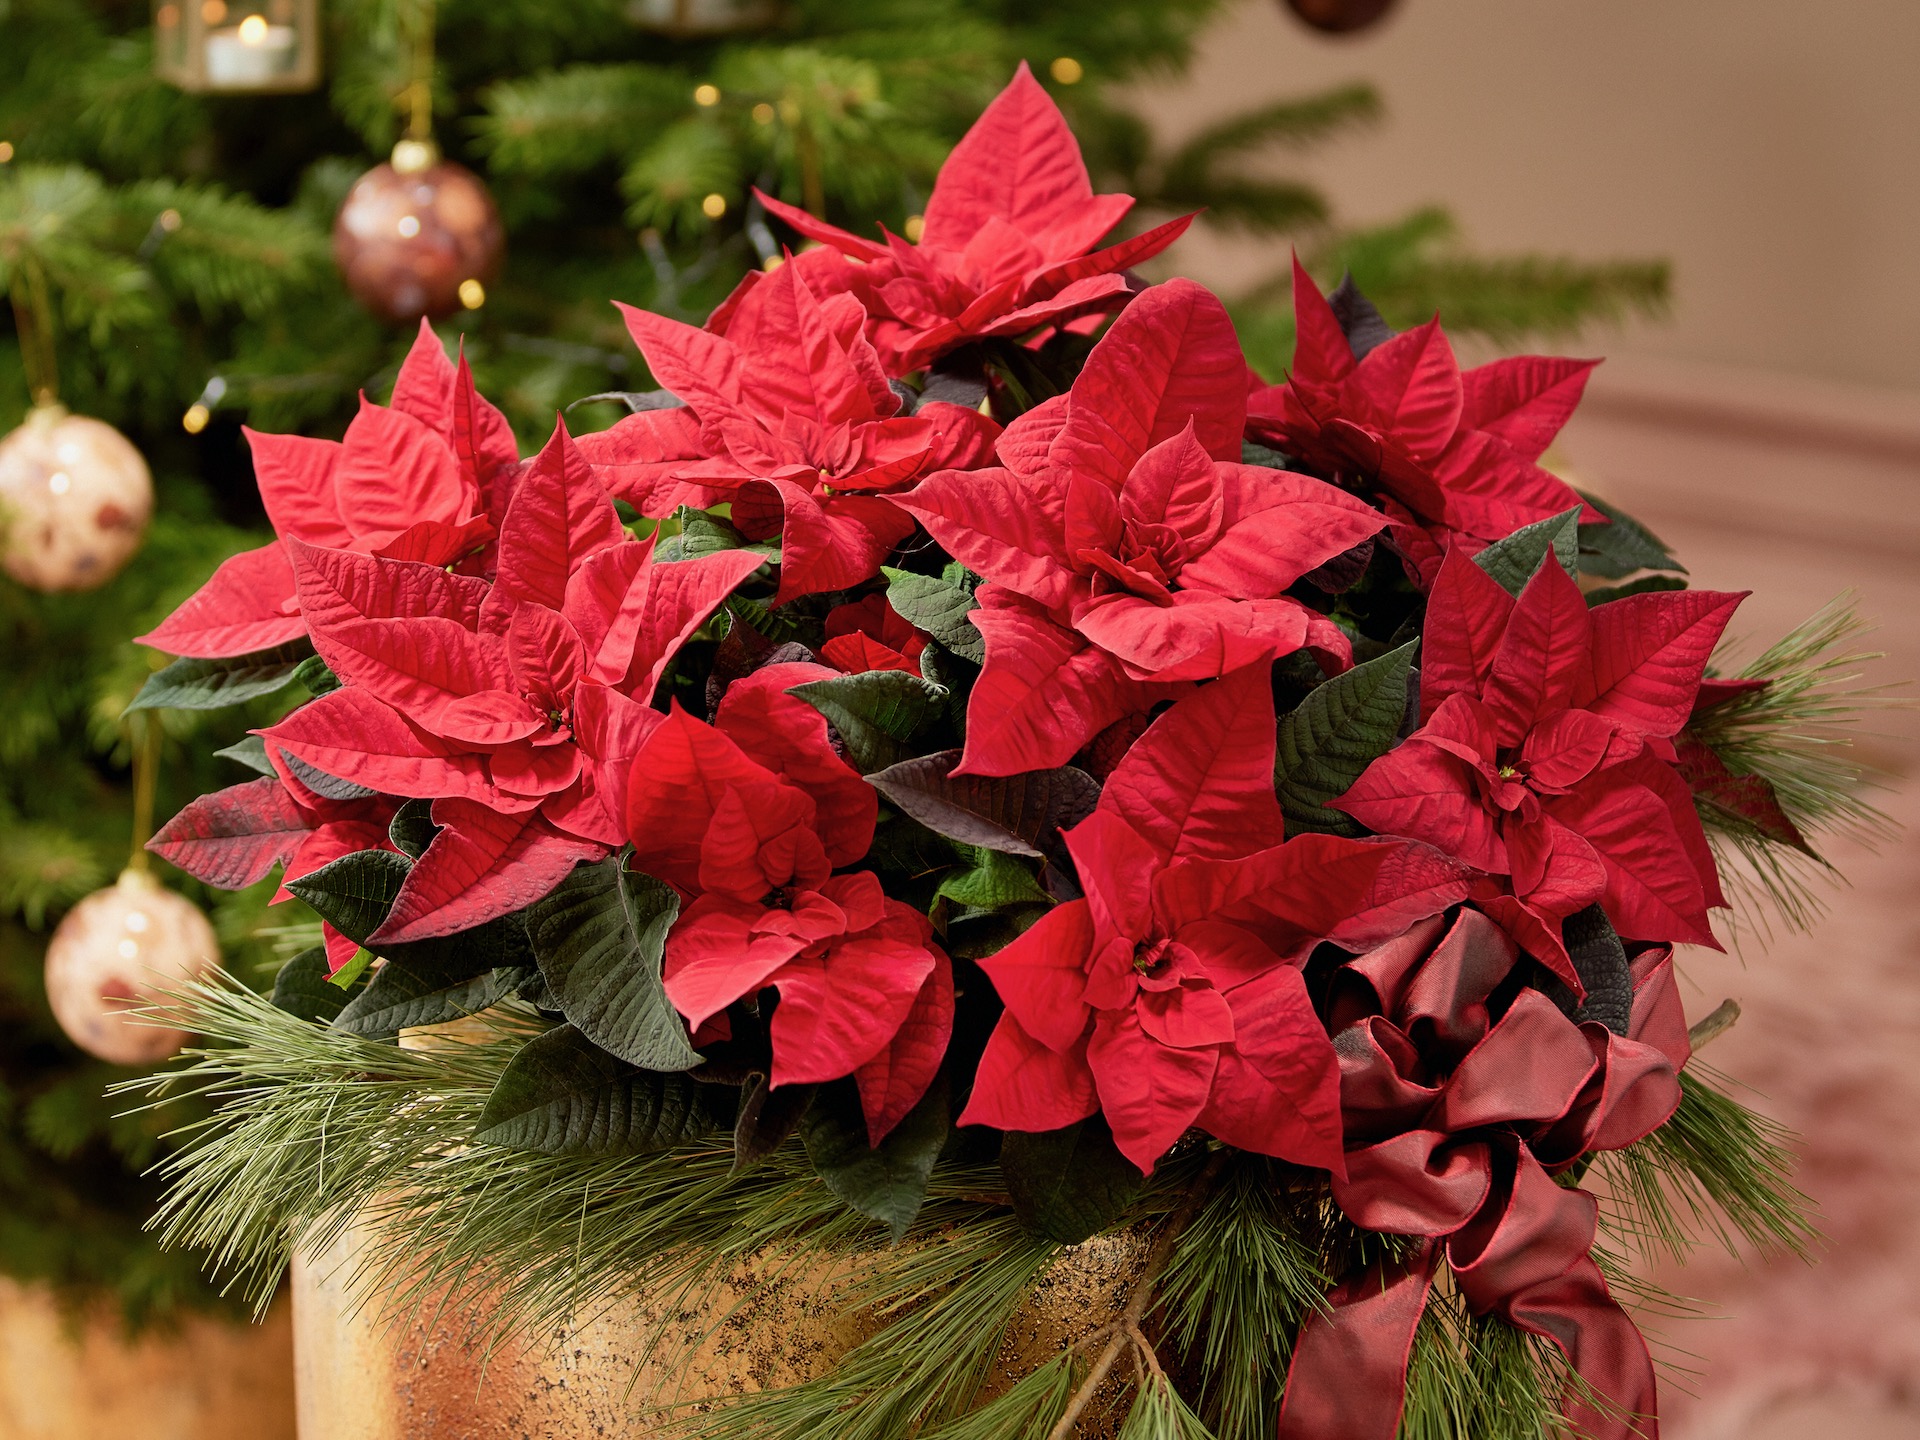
[[69, 1378]]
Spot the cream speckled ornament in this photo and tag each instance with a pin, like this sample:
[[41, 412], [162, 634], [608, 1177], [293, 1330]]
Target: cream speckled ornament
[[115, 951], [75, 498]]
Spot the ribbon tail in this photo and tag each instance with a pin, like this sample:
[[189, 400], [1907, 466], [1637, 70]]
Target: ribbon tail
[[1348, 1378], [1616, 1399]]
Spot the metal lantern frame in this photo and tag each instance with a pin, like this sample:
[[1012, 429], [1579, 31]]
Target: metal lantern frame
[[237, 47]]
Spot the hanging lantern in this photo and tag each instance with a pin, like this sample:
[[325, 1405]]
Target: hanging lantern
[[237, 46], [702, 17], [418, 236], [75, 498], [1340, 17]]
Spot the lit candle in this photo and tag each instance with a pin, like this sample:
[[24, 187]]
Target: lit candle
[[250, 53]]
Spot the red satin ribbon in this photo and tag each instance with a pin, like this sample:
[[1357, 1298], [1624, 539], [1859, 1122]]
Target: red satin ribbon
[[1455, 1120]]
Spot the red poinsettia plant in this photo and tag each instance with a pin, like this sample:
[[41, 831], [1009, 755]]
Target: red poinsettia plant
[[1155, 758]]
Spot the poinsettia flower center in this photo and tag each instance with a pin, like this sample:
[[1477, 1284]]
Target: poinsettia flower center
[[1152, 956], [778, 898]]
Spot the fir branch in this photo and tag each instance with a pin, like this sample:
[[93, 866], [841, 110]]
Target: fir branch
[[1798, 735], [572, 120], [1716, 1166]]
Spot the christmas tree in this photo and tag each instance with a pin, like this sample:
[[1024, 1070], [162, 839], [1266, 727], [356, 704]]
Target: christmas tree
[[166, 258]]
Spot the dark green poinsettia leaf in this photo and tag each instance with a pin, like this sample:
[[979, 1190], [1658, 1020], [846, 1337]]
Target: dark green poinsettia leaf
[[876, 713], [412, 827], [429, 991], [250, 752], [993, 881], [888, 1184], [302, 988], [1341, 728], [795, 623], [1013, 813], [766, 1117], [564, 1095], [1252, 452], [314, 674], [940, 607], [1642, 586], [635, 400], [599, 938], [216, 684], [1616, 550], [1069, 1184], [1600, 960], [1512, 561], [354, 893], [904, 845], [1360, 320], [329, 787]]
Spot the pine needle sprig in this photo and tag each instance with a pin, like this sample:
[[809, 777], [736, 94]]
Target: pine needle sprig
[[1241, 1280], [1798, 734], [1717, 1166]]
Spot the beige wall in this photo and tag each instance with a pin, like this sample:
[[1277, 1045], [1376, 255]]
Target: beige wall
[[1770, 148]]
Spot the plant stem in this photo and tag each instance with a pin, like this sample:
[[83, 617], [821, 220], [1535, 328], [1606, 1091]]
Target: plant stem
[[1126, 1328]]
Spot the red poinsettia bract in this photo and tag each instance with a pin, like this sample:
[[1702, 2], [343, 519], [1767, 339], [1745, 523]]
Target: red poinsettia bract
[[751, 815], [504, 703], [869, 634], [1458, 450], [1171, 996], [1007, 245], [1545, 753], [423, 479], [789, 417], [1127, 548]]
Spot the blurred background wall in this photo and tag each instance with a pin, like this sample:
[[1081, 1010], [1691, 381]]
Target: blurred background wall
[[1770, 148], [1770, 429]]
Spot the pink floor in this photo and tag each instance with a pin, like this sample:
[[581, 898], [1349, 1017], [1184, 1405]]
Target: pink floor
[[1830, 1036]]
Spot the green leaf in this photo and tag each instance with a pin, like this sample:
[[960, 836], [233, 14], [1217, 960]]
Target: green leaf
[[303, 989], [349, 975], [766, 1118], [1600, 960], [1617, 550], [875, 713], [888, 1184], [938, 607], [1644, 585], [1012, 813], [250, 752], [1070, 1184], [993, 882], [354, 893], [216, 684], [314, 674], [1252, 452], [412, 827], [1512, 561], [1337, 731], [599, 937], [564, 1095], [703, 533], [404, 993]]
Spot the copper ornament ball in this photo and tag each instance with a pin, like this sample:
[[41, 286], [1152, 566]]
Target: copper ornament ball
[[1340, 17], [410, 233], [117, 950], [75, 499]]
